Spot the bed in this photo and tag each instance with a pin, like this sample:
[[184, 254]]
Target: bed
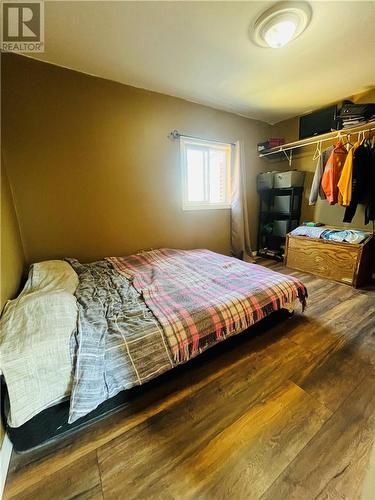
[[82, 336]]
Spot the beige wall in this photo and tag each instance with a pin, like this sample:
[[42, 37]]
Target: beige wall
[[303, 160], [93, 172], [12, 258]]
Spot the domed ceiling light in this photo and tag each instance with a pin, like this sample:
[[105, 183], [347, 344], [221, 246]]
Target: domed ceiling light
[[281, 24]]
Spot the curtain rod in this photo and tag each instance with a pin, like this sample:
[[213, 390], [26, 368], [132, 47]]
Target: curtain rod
[[175, 134]]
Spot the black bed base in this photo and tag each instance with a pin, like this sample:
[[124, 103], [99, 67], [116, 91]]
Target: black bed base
[[51, 424]]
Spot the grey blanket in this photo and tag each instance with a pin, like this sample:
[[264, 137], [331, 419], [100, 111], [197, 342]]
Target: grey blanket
[[118, 342]]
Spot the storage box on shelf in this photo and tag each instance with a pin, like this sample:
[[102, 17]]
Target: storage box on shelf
[[343, 262], [277, 179], [265, 180], [292, 178], [284, 203]]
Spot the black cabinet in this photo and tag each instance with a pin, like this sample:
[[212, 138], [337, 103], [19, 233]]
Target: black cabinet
[[279, 213]]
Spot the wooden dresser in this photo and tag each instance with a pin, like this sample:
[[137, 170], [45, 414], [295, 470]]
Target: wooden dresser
[[344, 262]]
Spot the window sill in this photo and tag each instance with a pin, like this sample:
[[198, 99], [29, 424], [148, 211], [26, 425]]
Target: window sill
[[206, 207]]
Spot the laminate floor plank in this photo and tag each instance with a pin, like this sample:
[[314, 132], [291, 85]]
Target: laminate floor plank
[[80, 480], [333, 464], [324, 330], [331, 377], [232, 463]]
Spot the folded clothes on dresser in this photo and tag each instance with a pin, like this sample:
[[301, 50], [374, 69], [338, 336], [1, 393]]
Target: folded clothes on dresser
[[342, 235]]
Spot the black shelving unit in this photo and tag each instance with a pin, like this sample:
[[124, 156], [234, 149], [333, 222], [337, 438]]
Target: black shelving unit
[[276, 218]]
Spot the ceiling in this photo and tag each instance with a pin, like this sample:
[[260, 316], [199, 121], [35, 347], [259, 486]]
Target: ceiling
[[202, 52]]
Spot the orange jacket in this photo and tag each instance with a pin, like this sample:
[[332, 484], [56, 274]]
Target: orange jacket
[[345, 182], [332, 172]]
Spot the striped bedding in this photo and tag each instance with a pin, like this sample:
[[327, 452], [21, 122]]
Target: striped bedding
[[118, 343], [141, 315]]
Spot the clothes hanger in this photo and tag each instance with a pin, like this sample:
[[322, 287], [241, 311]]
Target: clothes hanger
[[340, 146], [289, 157], [348, 144], [318, 150]]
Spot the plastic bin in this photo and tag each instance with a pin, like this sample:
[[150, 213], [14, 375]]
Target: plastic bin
[[282, 203], [291, 178], [265, 180]]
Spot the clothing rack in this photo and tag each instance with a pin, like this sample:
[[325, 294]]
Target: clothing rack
[[337, 134]]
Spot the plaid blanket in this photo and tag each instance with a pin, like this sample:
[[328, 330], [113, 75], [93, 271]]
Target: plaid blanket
[[200, 297]]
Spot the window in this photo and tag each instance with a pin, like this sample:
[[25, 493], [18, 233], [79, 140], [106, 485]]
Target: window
[[205, 174]]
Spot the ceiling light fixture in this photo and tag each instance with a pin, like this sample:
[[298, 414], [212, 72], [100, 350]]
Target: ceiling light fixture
[[281, 24]]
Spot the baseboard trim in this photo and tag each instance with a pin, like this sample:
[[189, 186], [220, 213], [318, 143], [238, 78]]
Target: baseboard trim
[[5, 454]]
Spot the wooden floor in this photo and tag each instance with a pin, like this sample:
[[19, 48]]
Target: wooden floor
[[286, 414]]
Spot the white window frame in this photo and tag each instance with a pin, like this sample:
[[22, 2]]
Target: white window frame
[[204, 145]]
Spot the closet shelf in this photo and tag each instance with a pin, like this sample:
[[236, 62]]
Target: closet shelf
[[290, 146]]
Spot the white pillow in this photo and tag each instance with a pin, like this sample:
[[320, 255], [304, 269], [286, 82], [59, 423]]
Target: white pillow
[[51, 275]]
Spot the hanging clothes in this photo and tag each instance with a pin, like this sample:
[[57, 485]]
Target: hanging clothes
[[345, 182], [370, 205], [361, 168], [332, 173], [316, 186]]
